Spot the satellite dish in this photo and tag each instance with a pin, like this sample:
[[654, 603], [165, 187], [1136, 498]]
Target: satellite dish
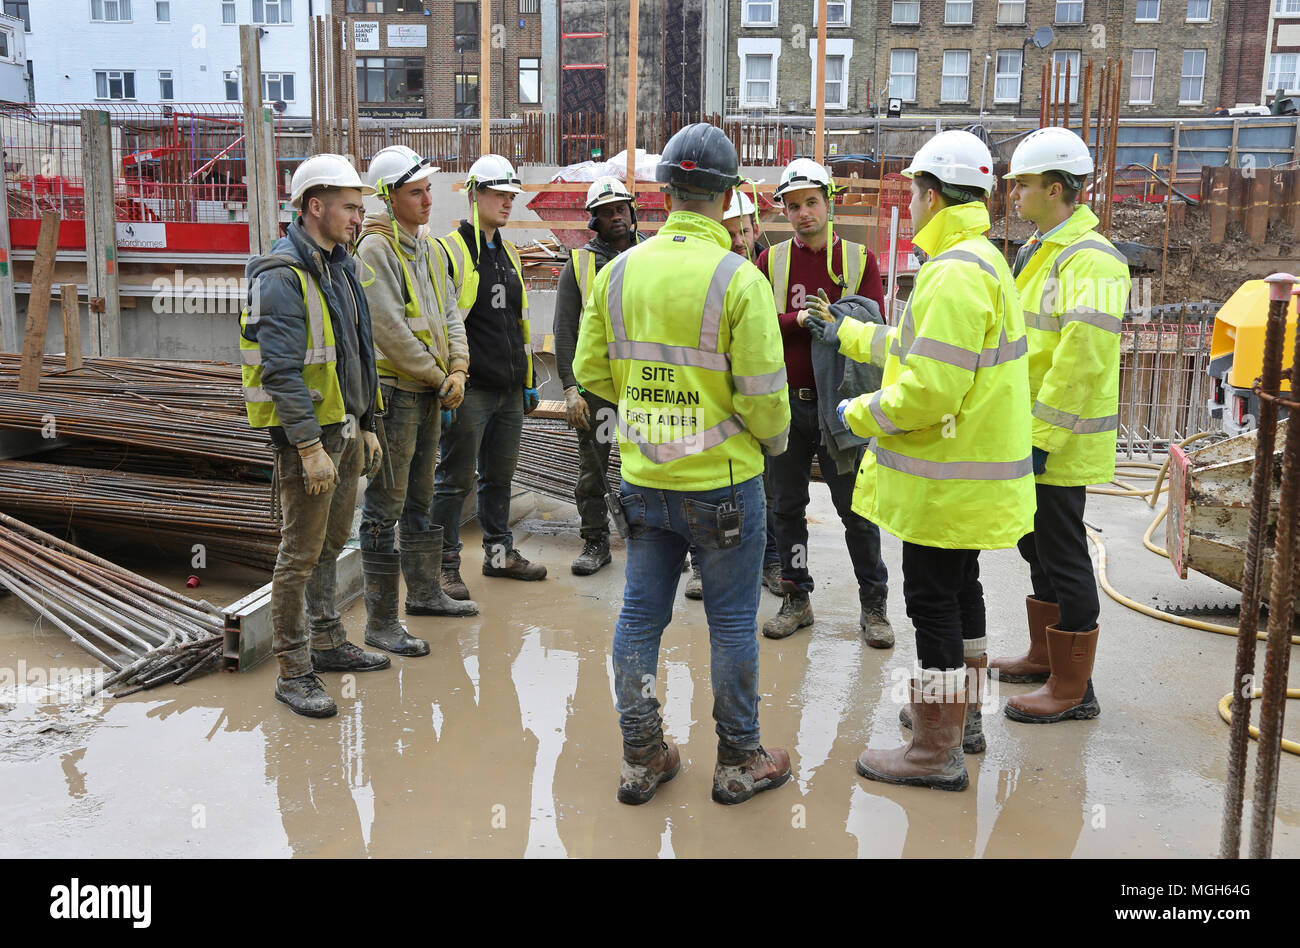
[[1043, 37]]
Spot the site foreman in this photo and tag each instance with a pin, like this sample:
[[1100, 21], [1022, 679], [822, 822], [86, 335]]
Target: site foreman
[[660, 396]]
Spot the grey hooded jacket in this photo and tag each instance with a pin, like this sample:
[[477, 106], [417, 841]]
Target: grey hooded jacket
[[848, 379]]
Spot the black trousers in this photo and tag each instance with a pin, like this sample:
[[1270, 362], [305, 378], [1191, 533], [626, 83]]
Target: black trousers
[[945, 602], [589, 492], [1057, 552]]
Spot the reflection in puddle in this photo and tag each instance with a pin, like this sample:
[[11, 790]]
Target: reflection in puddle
[[545, 680]]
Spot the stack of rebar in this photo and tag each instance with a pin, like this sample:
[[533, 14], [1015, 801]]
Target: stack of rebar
[[146, 633]]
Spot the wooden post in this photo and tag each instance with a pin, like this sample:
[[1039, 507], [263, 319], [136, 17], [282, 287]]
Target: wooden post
[[354, 111], [1087, 100], [1173, 160], [259, 149], [99, 174], [1218, 203], [1255, 206], [1044, 94], [819, 131], [311, 72], [8, 309], [38, 304], [633, 50], [71, 325], [1066, 105], [485, 77]]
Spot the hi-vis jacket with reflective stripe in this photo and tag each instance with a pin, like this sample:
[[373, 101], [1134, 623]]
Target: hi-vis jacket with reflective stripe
[[682, 335], [854, 257], [950, 465], [1074, 289], [465, 276]]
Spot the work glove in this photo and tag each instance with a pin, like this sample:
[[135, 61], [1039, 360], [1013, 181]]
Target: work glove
[[862, 308], [823, 331], [576, 410], [841, 408], [531, 400], [1040, 460], [371, 453], [452, 391], [448, 418], [318, 471]]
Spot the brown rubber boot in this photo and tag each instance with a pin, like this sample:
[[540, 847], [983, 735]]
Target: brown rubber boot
[[1032, 667], [739, 775], [644, 768], [977, 663], [1068, 692], [934, 757]]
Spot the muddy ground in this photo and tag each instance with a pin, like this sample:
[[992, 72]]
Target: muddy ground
[[504, 742]]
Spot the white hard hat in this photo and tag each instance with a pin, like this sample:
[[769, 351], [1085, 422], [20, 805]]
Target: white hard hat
[[802, 173], [956, 158], [741, 206], [1051, 149], [606, 189], [493, 171], [396, 166], [325, 170]]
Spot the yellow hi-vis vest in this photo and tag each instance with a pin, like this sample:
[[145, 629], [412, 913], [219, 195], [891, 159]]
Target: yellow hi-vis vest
[[950, 463], [853, 259], [466, 278], [320, 365], [680, 333], [416, 320], [1074, 290], [584, 270]]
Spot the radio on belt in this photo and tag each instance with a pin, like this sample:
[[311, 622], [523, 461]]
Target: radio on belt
[[729, 517]]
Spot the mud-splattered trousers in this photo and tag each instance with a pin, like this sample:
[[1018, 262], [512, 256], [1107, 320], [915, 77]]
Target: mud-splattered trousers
[[313, 529], [404, 486], [663, 525]]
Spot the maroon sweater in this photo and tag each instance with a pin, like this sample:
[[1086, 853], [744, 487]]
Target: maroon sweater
[[808, 268]]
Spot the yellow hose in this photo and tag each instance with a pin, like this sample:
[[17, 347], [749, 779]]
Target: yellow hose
[[1225, 712]]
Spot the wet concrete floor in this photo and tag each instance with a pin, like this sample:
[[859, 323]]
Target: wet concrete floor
[[504, 742]]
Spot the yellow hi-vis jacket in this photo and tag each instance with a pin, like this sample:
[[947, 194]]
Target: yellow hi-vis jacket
[[465, 276], [950, 463], [681, 334], [1074, 290]]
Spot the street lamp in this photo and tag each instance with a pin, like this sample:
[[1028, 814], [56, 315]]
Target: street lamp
[[984, 83]]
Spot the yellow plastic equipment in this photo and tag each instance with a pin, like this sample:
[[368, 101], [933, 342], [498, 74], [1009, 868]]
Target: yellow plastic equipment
[[1237, 354]]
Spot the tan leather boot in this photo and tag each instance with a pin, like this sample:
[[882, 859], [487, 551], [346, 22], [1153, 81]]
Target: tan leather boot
[[738, 776], [934, 757], [972, 739], [1068, 692], [644, 769], [1031, 667]]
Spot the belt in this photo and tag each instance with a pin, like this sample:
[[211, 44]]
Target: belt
[[804, 394]]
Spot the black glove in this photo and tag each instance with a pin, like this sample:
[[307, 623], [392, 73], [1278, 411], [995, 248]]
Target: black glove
[[1040, 460], [823, 331], [862, 308]]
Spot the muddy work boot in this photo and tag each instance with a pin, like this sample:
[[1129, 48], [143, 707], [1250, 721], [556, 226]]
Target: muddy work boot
[[1032, 667], [772, 579], [305, 695], [1068, 692], [421, 565], [644, 769], [383, 631], [451, 582], [514, 566], [874, 625], [695, 585], [795, 613], [348, 658], [934, 758], [977, 663], [740, 774], [594, 555]]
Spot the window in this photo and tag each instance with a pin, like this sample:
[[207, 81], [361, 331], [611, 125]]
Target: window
[[166, 88], [758, 80], [530, 81], [1069, 11], [1142, 85], [383, 79], [272, 12], [760, 13], [4, 44], [1006, 80], [466, 20], [232, 86], [20, 9], [902, 74], [1282, 72], [957, 12], [466, 95], [227, 11], [1062, 59], [1011, 12], [110, 11], [530, 6], [163, 11], [907, 12], [1281, 7], [1192, 87], [955, 86], [837, 13], [1198, 11], [114, 84], [366, 6], [277, 87], [1148, 11], [758, 71], [836, 88]]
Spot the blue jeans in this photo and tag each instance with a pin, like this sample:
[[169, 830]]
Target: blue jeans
[[484, 437], [404, 486], [771, 555], [663, 524]]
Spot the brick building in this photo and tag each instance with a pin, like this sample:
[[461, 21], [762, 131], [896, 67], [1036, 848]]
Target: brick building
[[1282, 67], [421, 58]]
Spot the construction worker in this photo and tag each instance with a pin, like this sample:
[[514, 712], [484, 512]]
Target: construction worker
[[613, 218], [681, 335], [422, 360], [816, 259], [949, 470], [309, 378], [1073, 284], [485, 430], [740, 221]]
